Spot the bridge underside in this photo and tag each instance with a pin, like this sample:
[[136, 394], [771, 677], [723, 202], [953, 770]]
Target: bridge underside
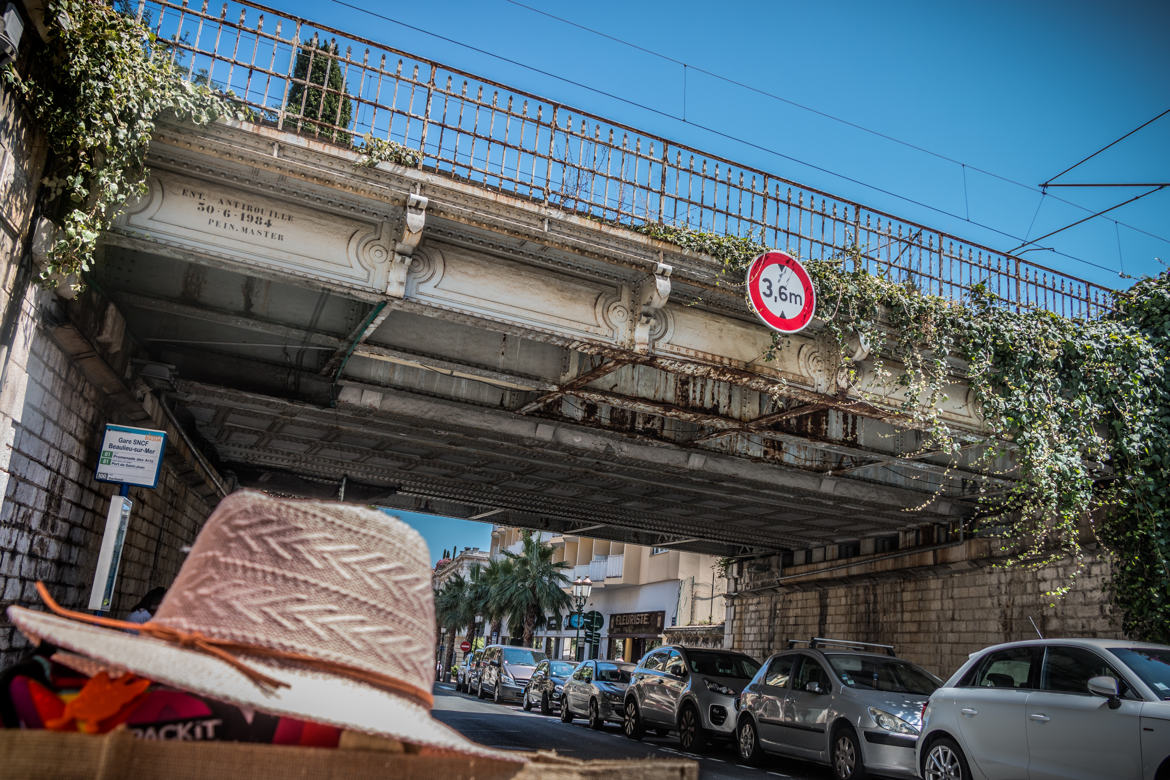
[[307, 385]]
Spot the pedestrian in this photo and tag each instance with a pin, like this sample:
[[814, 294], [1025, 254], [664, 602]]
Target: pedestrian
[[146, 607]]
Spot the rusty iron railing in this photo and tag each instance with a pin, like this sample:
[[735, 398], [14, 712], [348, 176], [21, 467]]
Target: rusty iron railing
[[484, 132]]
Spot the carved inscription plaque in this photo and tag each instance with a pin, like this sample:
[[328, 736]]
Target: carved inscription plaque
[[258, 230]]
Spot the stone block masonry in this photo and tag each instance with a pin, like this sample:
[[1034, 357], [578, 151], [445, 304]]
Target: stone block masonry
[[935, 606], [53, 514], [52, 414]]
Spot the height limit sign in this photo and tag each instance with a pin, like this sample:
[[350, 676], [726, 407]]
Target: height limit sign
[[781, 292]]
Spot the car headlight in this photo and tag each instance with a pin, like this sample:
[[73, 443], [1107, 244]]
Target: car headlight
[[557, 688], [613, 696], [715, 687], [891, 723], [507, 677]]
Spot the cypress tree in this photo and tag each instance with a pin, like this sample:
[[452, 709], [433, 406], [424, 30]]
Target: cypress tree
[[317, 96]]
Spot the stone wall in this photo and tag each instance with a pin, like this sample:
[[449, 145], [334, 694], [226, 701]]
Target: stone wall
[[64, 378], [53, 513], [935, 606]]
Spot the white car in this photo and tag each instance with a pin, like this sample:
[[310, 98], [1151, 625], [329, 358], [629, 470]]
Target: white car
[[1073, 709]]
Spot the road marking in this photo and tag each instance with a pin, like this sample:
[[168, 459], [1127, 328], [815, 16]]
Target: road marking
[[779, 774]]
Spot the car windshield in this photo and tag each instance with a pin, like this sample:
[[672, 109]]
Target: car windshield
[[560, 668], [522, 656], [882, 674], [722, 664], [1152, 664], [615, 673]]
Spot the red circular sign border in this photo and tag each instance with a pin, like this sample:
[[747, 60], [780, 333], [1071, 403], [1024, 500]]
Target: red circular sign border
[[805, 315]]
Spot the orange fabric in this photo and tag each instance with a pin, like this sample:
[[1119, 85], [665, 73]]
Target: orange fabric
[[100, 705]]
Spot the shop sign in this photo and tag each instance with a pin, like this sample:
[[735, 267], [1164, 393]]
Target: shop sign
[[636, 623]]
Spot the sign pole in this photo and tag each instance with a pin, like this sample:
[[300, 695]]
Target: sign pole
[[101, 596], [129, 456]]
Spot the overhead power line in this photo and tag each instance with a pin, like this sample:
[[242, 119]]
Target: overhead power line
[[1086, 219], [751, 144], [840, 120], [1103, 148]]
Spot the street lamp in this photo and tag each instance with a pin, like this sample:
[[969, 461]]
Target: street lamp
[[581, 590]]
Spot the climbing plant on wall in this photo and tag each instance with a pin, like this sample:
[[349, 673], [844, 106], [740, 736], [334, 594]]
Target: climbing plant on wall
[[1081, 407], [96, 92]]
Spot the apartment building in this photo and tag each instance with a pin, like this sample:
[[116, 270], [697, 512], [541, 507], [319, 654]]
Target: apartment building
[[638, 592], [463, 562]]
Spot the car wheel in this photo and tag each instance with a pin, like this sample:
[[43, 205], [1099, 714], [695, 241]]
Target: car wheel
[[566, 716], [496, 693], [479, 691], [846, 757], [545, 704], [633, 723], [748, 742], [945, 761], [691, 735], [527, 700], [595, 721]]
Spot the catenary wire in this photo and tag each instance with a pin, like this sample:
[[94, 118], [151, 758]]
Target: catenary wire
[[834, 118], [745, 142], [1103, 148]]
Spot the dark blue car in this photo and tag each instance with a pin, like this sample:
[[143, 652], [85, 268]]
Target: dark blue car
[[544, 687]]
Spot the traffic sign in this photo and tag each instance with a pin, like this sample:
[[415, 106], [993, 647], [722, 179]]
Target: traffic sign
[[781, 292], [465, 645], [593, 620]]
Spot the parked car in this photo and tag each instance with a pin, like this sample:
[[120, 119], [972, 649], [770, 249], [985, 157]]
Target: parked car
[[1052, 708], [689, 690], [505, 670], [596, 690], [545, 685], [463, 673], [852, 705]]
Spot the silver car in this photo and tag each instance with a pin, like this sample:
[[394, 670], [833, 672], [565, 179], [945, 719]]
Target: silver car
[[504, 671], [688, 690], [1043, 709], [838, 703], [595, 690]]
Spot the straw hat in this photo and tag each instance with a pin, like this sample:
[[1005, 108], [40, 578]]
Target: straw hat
[[316, 610]]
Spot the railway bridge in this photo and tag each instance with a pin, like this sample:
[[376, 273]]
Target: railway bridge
[[445, 299]]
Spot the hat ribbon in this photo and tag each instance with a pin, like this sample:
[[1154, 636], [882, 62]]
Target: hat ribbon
[[224, 650]]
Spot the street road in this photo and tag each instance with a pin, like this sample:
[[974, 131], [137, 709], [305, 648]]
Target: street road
[[509, 727]]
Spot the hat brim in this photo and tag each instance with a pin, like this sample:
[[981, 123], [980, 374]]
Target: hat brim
[[309, 695]]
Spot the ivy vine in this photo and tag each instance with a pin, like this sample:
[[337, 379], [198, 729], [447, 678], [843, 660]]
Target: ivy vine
[[1079, 409], [1083, 406], [97, 91], [377, 150]]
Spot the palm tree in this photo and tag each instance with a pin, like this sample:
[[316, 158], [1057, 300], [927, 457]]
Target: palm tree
[[535, 587], [492, 581], [451, 606], [476, 596]]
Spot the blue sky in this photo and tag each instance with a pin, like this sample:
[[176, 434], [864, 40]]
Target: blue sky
[[446, 532], [948, 114]]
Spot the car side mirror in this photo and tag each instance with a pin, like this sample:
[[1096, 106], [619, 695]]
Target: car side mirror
[[1106, 686], [812, 686], [493, 662], [677, 671]]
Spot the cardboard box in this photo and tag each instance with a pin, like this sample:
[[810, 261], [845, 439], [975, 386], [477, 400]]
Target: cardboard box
[[48, 755]]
